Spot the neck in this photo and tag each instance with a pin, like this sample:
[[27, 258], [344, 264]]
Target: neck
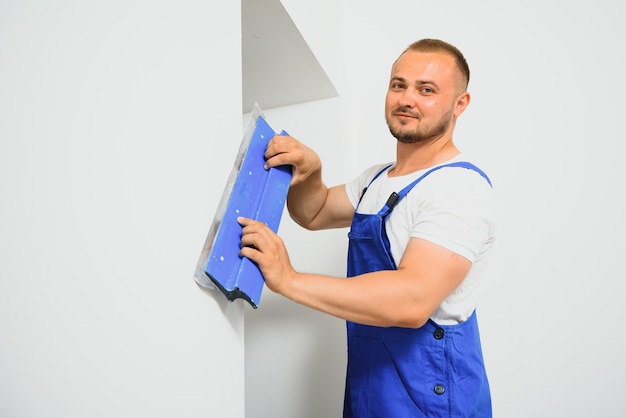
[[418, 156]]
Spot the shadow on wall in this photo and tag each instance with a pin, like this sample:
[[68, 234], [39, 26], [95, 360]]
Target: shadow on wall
[[231, 310], [305, 383]]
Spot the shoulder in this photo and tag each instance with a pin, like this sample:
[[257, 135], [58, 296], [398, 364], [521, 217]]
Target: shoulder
[[457, 208], [457, 190], [460, 176]]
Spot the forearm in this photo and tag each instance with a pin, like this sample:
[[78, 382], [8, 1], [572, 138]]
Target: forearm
[[305, 200], [383, 298], [406, 297]]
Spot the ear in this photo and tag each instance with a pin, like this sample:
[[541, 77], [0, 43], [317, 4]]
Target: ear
[[461, 103]]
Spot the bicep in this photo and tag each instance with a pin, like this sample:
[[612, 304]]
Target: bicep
[[436, 272]]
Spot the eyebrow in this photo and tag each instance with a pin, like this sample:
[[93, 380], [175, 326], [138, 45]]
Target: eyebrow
[[418, 82]]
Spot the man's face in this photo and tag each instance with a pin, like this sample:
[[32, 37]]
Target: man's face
[[422, 96]]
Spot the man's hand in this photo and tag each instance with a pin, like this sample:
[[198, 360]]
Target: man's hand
[[262, 246], [286, 150]]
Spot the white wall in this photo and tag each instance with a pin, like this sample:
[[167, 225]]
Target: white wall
[[114, 116], [545, 123], [119, 123]]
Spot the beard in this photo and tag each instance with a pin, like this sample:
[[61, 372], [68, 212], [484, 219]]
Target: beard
[[423, 133]]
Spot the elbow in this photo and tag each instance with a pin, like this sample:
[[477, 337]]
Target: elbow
[[306, 224], [415, 323], [413, 318], [418, 323]]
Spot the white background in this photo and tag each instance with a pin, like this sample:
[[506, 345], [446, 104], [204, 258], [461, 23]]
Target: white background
[[116, 138]]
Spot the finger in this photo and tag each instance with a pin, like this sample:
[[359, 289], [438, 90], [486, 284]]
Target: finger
[[274, 146], [278, 151], [243, 221], [251, 224], [251, 245], [250, 252], [248, 240], [278, 160], [254, 234], [257, 245]]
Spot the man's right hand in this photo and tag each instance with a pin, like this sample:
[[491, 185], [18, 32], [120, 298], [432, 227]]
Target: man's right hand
[[310, 202], [286, 150]]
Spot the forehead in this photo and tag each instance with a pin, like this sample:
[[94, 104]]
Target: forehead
[[434, 66]]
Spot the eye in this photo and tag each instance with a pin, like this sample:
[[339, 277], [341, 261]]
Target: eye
[[427, 90], [397, 86]]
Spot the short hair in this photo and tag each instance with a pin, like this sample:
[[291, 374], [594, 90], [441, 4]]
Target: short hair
[[437, 45]]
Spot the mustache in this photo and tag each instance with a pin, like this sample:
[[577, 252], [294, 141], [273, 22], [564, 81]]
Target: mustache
[[405, 112]]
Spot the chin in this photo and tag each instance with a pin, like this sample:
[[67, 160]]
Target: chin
[[401, 131]]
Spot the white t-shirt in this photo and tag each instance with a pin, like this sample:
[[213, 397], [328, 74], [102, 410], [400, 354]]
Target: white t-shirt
[[452, 207]]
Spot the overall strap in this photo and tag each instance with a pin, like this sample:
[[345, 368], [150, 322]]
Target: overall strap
[[396, 197], [382, 170]]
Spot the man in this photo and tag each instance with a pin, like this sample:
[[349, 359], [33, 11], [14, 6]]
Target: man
[[421, 231]]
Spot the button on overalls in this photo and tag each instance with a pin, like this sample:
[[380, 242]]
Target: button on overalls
[[394, 372]]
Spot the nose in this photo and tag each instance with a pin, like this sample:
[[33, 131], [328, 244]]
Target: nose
[[407, 98]]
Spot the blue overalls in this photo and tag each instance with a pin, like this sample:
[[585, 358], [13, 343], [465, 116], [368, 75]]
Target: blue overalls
[[394, 372]]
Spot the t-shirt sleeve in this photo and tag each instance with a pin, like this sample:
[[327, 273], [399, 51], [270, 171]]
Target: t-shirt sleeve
[[456, 211]]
